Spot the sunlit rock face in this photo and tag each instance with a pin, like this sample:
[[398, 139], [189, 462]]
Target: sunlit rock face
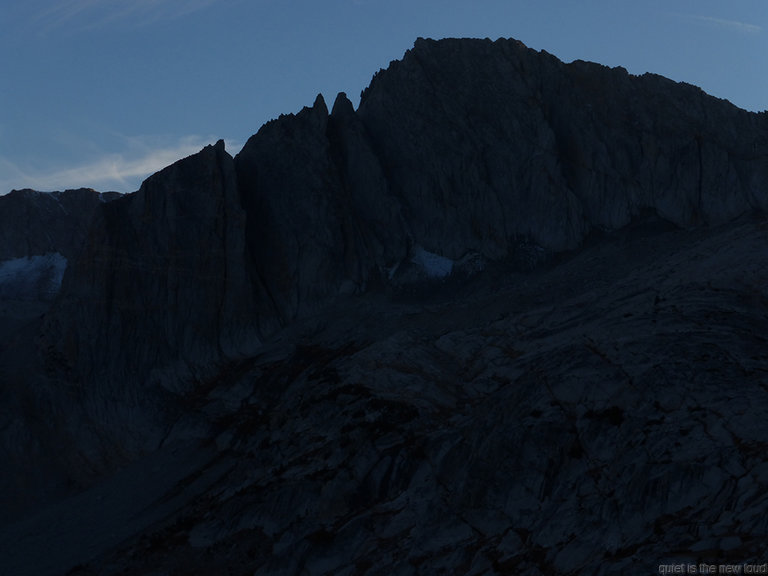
[[509, 316]]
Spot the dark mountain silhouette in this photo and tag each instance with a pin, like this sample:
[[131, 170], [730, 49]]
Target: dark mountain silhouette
[[508, 316], [34, 223]]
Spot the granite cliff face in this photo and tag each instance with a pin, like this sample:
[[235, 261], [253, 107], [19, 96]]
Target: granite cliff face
[[507, 316], [465, 151], [320, 217], [40, 235], [485, 142], [469, 148], [161, 282]]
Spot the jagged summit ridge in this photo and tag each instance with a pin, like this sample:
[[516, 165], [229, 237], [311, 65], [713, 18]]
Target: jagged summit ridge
[[34, 223], [464, 149], [556, 148]]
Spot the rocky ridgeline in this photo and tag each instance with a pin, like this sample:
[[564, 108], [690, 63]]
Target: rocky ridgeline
[[37, 223], [39, 233], [464, 149], [487, 141], [219, 301]]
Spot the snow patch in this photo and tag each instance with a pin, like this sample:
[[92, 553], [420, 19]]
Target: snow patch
[[391, 270], [32, 277], [433, 265]]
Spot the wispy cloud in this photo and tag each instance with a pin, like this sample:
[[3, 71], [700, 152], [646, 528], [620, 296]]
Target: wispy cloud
[[732, 25], [119, 172], [89, 14]]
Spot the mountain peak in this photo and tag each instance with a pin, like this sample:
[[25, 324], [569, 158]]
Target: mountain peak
[[465, 150], [377, 335]]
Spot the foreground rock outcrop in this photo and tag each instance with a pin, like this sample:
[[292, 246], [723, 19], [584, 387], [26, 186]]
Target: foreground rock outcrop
[[507, 316], [603, 414]]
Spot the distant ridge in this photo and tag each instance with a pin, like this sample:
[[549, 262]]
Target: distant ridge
[[33, 223]]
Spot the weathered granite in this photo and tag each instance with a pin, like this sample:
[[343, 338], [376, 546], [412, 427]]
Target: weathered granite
[[602, 415], [473, 149], [487, 141]]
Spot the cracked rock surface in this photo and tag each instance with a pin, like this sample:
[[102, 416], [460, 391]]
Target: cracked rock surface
[[601, 414]]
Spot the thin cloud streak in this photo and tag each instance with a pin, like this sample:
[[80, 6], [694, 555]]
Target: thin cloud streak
[[111, 172], [89, 14], [733, 25]]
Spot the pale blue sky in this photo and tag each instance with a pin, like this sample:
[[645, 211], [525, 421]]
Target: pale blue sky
[[101, 93]]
